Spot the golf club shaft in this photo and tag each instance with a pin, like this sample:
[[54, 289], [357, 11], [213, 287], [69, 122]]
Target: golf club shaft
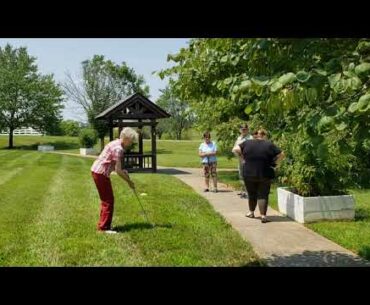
[[138, 199]]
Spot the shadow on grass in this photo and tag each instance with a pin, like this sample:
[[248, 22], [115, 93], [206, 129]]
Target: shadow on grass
[[10, 149], [365, 252], [317, 259], [164, 151], [231, 173], [362, 214], [58, 145], [172, 171], [260, 263], [140, 226], [161, 151], [276, 218]]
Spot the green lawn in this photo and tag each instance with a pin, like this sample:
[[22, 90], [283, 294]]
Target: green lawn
[[31, 142], [49, 208], [169, 152], [353, 235], [184, 154], [231, 178]]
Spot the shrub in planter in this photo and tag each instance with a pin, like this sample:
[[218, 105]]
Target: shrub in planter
[[88, 139], [315, 172], [314, 165]]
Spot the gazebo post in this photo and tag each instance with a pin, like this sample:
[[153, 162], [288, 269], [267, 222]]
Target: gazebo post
[[140, 145], [120, 127], [110, 129], [154, 147]]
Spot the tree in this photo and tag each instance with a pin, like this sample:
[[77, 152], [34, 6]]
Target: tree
[[313, 94], [104, 83], [70, 128], [181, 116], [27, 98]]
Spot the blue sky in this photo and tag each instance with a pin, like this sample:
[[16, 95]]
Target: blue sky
[[58, 56]]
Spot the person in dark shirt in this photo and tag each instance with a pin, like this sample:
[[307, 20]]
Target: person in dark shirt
[[260, 155], [244, 135]]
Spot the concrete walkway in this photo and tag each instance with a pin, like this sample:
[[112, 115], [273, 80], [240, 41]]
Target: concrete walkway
[[281, 242]]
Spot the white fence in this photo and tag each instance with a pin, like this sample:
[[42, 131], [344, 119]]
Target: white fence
[[29, 131]]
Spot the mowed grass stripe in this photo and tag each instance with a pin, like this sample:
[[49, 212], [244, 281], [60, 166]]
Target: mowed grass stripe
[[19, 159], [66, 235], [5, 154], [13, 163], [21, 200], [189, 232], [6, 175]]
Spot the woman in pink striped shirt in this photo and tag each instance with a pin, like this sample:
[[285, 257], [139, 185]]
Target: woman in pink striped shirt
[[110, 160]]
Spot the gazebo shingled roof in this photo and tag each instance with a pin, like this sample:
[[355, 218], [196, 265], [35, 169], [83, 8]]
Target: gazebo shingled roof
[[119, 110]]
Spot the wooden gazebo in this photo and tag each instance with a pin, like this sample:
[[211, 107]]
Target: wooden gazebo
[[135, 111]]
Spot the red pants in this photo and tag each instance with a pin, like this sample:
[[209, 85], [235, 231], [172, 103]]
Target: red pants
[[104, 186]]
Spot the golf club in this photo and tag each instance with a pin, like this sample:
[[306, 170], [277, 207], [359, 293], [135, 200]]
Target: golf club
[[146, 217]]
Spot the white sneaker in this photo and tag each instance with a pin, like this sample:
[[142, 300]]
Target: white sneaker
[[110, 232]]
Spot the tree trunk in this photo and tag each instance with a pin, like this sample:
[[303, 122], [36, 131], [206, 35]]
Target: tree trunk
[[11, 129], [178, 135], [101, 144]]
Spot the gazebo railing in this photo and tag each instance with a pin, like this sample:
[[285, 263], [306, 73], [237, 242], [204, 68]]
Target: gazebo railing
[[135, 161]]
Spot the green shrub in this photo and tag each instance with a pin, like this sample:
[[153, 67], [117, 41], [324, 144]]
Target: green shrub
[[88, 137], [314, 166], [70, 128]]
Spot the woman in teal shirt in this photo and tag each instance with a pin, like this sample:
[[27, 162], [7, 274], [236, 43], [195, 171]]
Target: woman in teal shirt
[[207, 152]]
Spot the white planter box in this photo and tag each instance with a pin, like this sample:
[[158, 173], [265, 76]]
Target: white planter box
[[87, 151], [45, 148], [309, 209]]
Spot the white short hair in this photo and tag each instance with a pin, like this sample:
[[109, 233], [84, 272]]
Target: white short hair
[[129, 133]]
